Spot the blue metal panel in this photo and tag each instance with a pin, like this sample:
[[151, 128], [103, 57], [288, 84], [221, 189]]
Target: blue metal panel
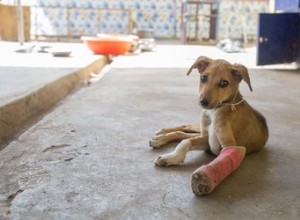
[[278, 38], [287, 5]]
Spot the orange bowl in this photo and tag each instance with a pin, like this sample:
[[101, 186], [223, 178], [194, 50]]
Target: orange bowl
[[108, 43], [118, 36]]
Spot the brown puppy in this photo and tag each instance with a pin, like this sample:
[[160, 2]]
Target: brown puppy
[[226, 120]]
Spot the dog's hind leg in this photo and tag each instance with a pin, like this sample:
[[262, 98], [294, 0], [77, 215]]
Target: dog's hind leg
[[169, 137], [191, 128]]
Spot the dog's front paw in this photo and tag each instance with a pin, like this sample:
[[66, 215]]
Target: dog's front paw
[[169, 159], [157, 142]]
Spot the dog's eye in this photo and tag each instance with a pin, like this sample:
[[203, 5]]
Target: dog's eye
[[204, 79], [223, 83]]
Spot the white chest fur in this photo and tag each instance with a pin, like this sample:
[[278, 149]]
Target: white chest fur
[[214, 143]]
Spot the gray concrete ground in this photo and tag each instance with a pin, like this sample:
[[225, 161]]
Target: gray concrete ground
[[23, 73], [89, 158], [32, 83]]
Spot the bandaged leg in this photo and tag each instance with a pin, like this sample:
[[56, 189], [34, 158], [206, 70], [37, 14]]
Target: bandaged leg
[[205, 179]]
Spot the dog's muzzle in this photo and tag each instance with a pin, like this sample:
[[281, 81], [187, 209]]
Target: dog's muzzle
[[203, 102]]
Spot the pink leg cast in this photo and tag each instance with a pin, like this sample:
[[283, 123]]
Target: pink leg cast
[[205, 179]]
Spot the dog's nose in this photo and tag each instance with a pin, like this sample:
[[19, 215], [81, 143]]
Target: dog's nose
[[204, 102]]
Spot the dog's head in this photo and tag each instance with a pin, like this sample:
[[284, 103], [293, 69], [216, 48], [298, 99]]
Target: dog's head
[[219, 81]]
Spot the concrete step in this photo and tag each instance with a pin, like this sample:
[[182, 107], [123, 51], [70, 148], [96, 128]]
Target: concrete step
[[33, 83]]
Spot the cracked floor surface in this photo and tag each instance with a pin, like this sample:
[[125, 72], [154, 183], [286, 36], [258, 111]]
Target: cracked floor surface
[[90, 159]]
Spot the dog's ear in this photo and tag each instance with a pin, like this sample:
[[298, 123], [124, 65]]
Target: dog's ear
[[201, 64], [240, 72]]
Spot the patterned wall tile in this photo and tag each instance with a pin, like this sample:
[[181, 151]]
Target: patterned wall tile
[[234, 18], [237, 16], [50, 3], [114, 21], [162, 16], [83, 21], [50, 21]]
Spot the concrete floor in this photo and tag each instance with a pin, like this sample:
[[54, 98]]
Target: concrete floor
[[89, 158], [33, 83], [23, 73]]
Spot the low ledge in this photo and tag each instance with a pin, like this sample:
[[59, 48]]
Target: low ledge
[[19, 115]]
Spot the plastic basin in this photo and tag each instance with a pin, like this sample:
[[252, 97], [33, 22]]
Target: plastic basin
[[107, 44]]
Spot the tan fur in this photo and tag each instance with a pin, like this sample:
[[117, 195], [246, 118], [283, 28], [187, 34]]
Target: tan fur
[[226, 119]]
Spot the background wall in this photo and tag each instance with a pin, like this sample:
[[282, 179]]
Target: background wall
[[89, 17], [238, 14]]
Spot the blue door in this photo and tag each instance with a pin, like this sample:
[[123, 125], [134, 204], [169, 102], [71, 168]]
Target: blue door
[[278, 38]]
